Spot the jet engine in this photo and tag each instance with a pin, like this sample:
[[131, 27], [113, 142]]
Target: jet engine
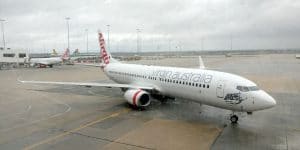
[[137, 97]]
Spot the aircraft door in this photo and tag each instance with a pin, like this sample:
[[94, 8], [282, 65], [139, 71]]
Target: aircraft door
[[220, 89]]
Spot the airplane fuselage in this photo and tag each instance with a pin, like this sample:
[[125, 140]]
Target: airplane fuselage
[[46, 61], [209, 87], [142, 83]]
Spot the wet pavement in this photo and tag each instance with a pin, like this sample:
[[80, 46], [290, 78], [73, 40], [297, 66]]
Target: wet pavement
[[67, 117]]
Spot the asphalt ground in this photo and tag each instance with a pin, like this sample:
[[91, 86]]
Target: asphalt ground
[[69, 117]]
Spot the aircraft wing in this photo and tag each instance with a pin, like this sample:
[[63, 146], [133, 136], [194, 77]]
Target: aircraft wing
[[90, 84]]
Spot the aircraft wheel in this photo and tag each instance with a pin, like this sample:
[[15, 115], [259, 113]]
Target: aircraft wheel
[[234, 119]]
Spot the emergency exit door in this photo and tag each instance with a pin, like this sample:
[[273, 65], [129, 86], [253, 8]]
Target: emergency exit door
[[220, 89]]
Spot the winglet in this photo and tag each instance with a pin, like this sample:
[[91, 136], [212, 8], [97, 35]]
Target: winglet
[[201, 64]]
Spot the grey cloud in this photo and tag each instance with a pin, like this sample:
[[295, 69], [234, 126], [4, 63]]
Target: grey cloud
[[254, 24]]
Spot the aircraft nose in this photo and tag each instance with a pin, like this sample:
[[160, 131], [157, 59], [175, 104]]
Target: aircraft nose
[[269, 101]]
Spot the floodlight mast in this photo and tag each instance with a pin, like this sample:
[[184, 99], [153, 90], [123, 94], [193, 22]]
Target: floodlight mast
[[2, 28], [108, 42], [87, 40], [68, 26]]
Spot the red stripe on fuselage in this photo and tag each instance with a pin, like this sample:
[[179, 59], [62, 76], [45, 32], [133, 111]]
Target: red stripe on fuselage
[[134, 97]]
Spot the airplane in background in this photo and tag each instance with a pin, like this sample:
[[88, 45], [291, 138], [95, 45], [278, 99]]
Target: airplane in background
[[143, 83], [44, 62], [54, 53]]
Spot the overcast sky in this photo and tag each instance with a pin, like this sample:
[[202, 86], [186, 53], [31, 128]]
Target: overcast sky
[[40, 25]]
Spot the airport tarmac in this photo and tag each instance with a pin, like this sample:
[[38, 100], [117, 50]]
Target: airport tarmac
[[68, 117]]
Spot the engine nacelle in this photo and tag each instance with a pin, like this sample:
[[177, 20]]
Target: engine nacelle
[[137, 98]]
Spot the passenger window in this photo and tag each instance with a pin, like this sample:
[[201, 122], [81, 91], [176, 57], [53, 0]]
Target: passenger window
[[207, 86]]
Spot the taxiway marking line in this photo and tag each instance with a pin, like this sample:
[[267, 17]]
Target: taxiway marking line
[[48, 140]]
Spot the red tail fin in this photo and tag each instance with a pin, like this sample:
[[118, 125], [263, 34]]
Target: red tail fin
[[66, 54], [105, 56]]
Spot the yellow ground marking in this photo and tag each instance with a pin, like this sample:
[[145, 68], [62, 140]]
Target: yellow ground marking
[[48, 140]]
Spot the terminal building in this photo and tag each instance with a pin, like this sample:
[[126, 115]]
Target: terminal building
[[12, 57]]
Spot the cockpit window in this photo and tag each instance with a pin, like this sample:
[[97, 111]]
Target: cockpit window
[[253, 88], [247, 88], [242, 88]]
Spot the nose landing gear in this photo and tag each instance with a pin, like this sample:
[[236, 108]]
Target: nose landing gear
[[234, 119]]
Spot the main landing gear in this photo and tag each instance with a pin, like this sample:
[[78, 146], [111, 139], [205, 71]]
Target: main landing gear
[[163, 99], [234, 119]]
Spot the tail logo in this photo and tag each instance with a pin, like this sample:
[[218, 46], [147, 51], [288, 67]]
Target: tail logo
[[104, 54], [66, 54]]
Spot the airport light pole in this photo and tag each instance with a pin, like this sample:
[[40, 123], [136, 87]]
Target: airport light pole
[[68, 26], [137, 40], [87, 40], [202, 44], [2, 28], [169, 43], [140, 40], [230, 41], [108, 44]]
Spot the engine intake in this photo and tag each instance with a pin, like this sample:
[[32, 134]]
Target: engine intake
[[137, 98]]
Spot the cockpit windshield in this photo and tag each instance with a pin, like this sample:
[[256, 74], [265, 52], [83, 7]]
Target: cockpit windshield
[[247, 88]]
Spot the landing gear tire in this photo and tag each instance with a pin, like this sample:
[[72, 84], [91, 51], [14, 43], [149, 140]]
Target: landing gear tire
[[137, 108], [234, 119]]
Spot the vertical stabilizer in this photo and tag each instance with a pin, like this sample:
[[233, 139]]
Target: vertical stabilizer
[[66, 55], [104, 55]]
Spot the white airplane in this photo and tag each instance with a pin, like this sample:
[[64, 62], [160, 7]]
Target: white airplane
[[143, 83], [44, 62]]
